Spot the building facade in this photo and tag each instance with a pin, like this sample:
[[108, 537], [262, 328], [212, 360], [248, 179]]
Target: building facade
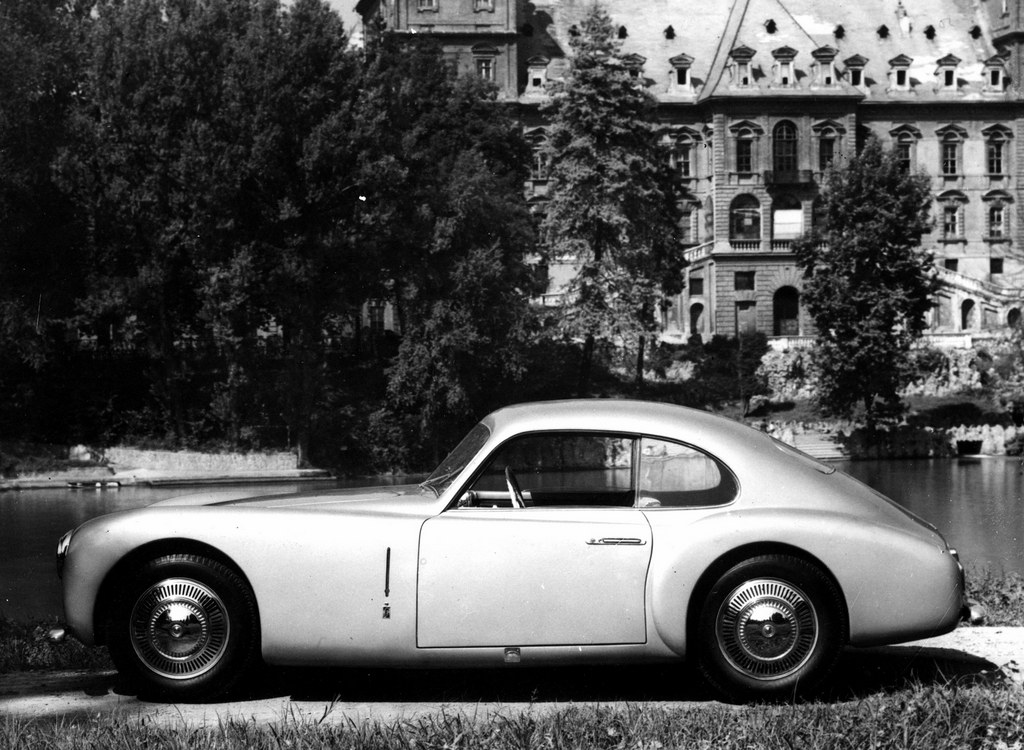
[[756, 99]]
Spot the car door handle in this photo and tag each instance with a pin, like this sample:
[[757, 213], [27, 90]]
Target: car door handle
[[616, 540]]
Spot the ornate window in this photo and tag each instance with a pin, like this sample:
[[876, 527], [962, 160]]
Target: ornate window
[[745, 218], [784, 144], [681, 152], [951, 217], [905, 138], [483, 5], [996, 139], [828, 134], [484, 61], [427, 5], [745, 152], [951, 143], [997, 214]]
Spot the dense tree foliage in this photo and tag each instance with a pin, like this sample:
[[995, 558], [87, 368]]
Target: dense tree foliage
[[870, 283], [197, 199], [613, 208], [442, 166]]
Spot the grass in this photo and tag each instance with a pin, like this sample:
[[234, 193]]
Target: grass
[[947, 713], [921, 717], [1000, 593]]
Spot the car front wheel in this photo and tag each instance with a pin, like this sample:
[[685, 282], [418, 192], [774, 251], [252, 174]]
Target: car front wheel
[[185, 628], [771, 627]]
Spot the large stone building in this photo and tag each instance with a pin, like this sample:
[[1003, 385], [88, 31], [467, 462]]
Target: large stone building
[[757, 97]]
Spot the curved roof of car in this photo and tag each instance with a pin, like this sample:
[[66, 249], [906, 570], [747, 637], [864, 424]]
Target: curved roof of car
[[619, 415]]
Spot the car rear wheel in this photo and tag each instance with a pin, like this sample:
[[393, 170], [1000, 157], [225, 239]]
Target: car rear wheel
[[771, 627], [184, 628]]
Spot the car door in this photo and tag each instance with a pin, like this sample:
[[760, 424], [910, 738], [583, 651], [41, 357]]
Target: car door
[[570, 568]]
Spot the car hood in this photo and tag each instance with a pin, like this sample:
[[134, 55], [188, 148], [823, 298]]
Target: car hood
[[393, 499]]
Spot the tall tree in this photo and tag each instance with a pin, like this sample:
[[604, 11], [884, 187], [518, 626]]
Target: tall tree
[[613, 208], [869, 283], [40, 241], [212, 160], [442, 169]]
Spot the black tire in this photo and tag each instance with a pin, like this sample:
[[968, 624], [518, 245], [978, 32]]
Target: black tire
[[770, 628], [184, 627]]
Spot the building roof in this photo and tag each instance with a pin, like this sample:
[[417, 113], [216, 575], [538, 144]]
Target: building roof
[[924, 31]]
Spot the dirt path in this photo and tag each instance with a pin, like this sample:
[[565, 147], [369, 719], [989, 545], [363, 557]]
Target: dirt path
[[986, 655]]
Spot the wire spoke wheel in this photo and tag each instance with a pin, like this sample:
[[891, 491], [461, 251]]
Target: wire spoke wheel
[[179, 628], [767, 629]]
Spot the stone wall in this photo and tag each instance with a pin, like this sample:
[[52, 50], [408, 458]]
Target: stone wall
[[122, 459]]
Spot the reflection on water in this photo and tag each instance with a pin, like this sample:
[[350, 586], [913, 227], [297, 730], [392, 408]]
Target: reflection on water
[[976, 503]]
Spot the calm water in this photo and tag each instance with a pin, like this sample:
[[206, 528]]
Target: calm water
[[976, 504]]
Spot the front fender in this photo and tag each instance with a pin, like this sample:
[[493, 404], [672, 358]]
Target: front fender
[[898, 583]]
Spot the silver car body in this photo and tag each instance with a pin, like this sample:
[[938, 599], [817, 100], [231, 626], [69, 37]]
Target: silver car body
[[400, 577]]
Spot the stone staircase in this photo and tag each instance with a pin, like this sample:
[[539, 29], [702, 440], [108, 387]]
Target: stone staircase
[[820, 445]]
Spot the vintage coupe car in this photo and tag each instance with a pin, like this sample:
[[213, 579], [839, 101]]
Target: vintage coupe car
[[597, 531]]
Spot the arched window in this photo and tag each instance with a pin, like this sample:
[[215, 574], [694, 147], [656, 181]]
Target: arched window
[[786, 312], [745, 218], [696, 318], [784, 147], [1013, 317], [787, 218], [967, 315]]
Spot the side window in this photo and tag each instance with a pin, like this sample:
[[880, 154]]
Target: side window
[[585, 470], [677, 476]]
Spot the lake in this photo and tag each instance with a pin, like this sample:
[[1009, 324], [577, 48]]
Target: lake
[[976, 503]]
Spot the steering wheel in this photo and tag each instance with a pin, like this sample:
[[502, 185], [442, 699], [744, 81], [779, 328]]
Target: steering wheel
[[514, 492]]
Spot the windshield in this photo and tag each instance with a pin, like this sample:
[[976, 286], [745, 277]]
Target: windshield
[[456, 461]]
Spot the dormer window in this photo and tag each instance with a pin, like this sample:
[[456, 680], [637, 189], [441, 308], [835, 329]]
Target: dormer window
[[825, 66], [995, 74], [855, 67], [741, 57], [681, 80], [536, 74], [784, 75], [945, 71], [634, 65], [899, 73]]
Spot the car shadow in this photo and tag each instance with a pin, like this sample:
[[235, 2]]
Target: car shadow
[[858, 674]]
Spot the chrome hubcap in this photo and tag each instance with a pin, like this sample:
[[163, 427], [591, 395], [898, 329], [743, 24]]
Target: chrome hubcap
[[179, 628], [767, 629]]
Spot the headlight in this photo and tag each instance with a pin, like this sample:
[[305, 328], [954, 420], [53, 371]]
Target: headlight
[[62, 552]]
